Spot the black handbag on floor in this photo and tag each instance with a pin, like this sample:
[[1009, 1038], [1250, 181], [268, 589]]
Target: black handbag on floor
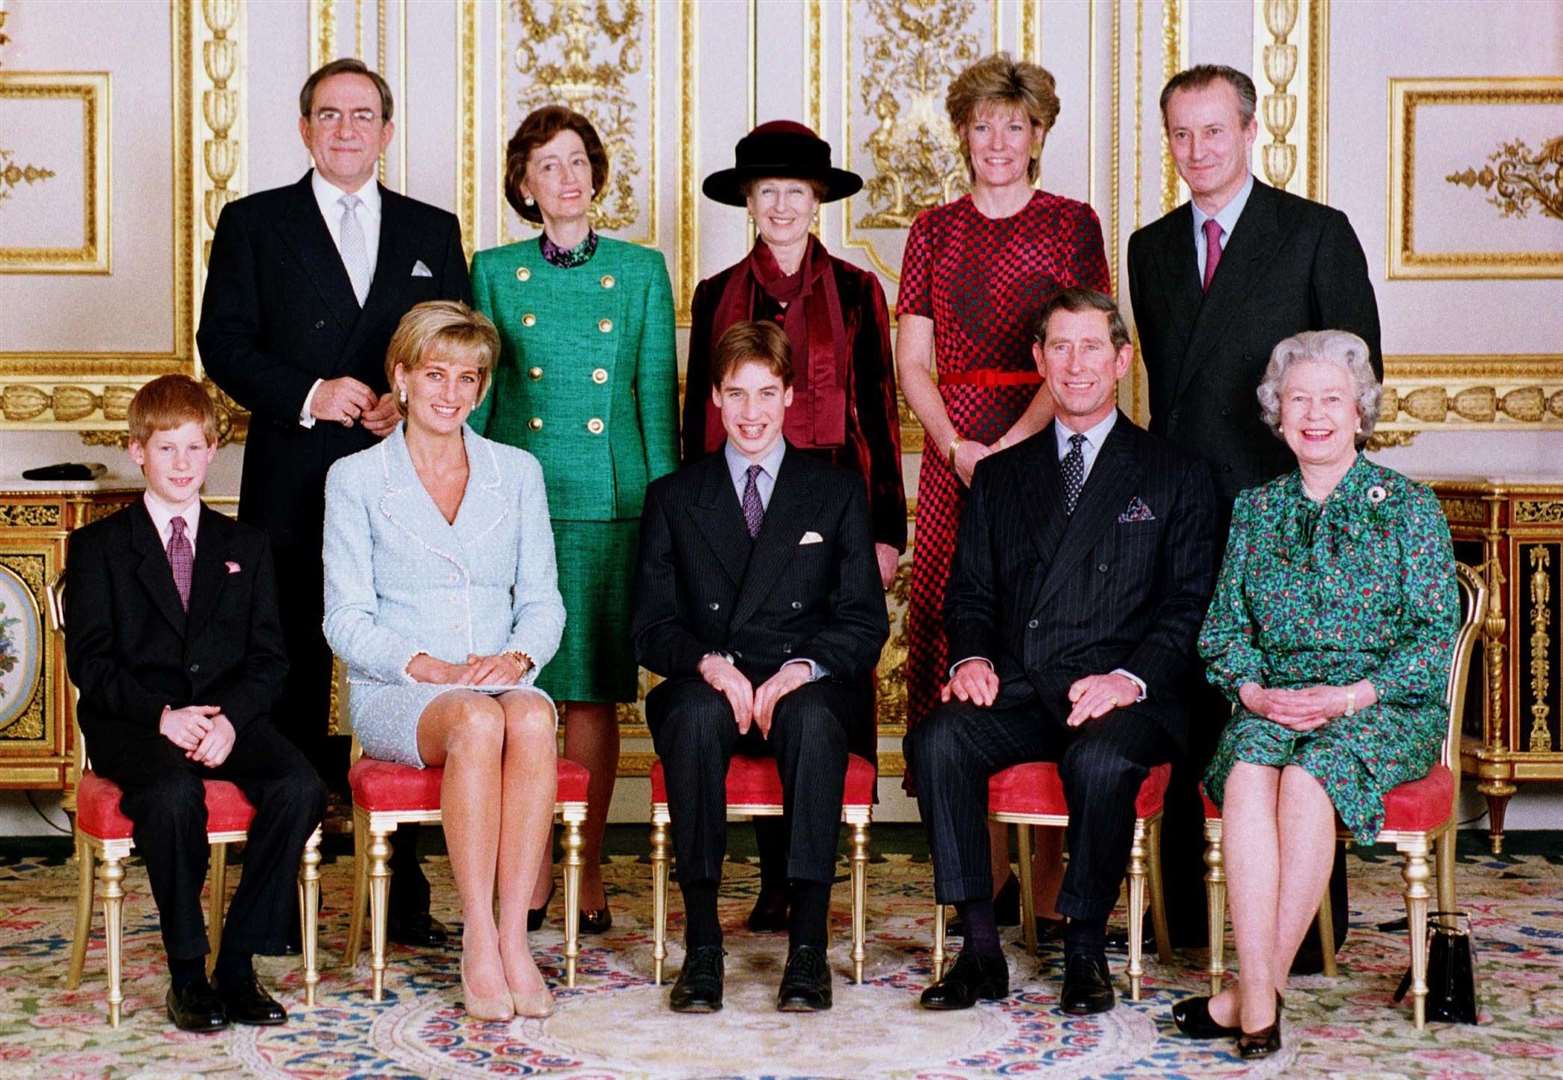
[[1451, 969]]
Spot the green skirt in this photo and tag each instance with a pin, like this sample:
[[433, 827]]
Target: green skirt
[[596, 659]]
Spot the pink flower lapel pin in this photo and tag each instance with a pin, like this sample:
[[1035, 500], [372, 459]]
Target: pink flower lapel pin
[[233, 567]]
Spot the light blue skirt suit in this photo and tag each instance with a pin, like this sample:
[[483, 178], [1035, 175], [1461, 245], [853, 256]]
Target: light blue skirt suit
[[401, 580]]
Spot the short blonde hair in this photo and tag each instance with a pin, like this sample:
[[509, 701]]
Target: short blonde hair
[[442, 329], [168, 402], [999, 80], [1339, 347]]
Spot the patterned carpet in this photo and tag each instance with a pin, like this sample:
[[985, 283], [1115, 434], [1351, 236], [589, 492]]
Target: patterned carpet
[[615, 1022]]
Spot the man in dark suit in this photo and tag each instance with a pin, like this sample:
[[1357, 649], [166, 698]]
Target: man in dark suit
[[173, 640], [1215, 285], [304, 287], [757, 598], [1082, 570]]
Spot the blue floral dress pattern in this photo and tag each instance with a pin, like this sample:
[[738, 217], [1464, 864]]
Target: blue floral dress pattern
[[1360, 586]]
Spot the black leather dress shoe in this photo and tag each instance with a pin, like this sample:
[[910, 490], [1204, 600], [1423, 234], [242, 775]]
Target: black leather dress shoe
[[1088, 987], [699, 985], [196, 1007], [1192, 1015], [420, 930], [769, 915], [805, 985], [247, 1003], [596, 920], [973, 977]]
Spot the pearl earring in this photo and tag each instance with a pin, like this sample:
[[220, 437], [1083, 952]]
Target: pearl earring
[[403, 396], [529, 200]]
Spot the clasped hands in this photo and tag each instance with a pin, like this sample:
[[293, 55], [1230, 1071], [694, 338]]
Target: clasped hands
[[752, 707], [346, 400], [975, 681], [1307, 709], [497, 670], [201, 731]]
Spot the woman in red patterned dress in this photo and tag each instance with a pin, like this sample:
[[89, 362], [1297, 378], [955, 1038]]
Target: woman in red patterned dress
[[976, 274]]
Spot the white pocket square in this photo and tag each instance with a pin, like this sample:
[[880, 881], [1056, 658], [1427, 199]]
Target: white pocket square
[[811, 537], [419, 270]]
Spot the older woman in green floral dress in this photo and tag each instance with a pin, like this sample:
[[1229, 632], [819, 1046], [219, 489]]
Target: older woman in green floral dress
[[1331, 630]]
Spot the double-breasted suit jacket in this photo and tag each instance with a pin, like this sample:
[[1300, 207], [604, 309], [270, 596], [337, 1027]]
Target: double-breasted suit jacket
[[1290, 265], [401, 580]]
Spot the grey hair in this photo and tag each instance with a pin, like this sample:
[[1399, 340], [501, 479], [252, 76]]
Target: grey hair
[[1339, 347]]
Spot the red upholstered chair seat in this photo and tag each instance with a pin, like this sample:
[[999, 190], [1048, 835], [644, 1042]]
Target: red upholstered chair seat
[[384, 786], [99, 816], [1035, 788], [754, 781], [1415, 806]]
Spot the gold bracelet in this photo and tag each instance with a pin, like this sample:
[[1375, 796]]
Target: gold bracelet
[[955, 444], [521, 658]]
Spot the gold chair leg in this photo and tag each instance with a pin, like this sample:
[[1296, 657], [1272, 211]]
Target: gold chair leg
[[355, 924], [1416, 873], [1028, 899], [1158, 897], [379, 895], [217, 879], [309, 914], [85, 879], [1326, 919], [659, 899], [1444, 857], [937, 960], [1136, 909], [572, 898], [112, 875], [1215, 904], [859, 898]]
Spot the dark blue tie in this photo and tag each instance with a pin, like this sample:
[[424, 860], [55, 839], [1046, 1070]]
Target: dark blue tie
[[1073, 468]]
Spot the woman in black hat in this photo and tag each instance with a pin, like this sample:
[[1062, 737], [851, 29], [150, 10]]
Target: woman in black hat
[[844, 396]]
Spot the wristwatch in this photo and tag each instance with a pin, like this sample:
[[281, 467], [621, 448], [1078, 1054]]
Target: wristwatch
[[1351, 701]]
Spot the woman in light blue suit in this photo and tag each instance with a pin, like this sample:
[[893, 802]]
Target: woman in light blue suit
[[442, 599]]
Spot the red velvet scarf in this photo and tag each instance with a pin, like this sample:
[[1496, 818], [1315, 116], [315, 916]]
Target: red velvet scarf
[[817, 418]]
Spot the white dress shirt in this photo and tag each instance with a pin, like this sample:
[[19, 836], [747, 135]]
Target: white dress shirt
[[163, 514], [1226, 217], [327, 197]]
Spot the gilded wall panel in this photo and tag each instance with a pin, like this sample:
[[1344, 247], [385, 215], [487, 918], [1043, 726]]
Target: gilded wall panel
[[54, 172]]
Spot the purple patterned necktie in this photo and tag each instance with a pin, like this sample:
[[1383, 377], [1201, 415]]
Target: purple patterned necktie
[[754, 509], [181, 558], [1212, 250]]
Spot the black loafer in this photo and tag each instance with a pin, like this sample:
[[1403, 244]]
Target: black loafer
[[769, 915], [196, 1007], [596, 920], [419, 930], [1259, 1044], [1192, 1015], [973, 977], [699, 985], [805, 985], [247, 1003], [1088, 988]]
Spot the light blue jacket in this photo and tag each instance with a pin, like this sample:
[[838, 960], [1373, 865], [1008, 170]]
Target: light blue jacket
[[400, 580]]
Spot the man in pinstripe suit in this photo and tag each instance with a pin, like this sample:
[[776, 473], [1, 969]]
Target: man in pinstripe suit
[[1082, 571]]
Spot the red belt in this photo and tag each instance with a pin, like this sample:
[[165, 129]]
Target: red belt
[[990, 377]]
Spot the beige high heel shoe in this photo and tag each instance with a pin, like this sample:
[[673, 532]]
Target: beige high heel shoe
[[480, 1007], [536, 1004]]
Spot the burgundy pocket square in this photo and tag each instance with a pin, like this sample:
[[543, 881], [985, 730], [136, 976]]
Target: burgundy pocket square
[[1135, 511]]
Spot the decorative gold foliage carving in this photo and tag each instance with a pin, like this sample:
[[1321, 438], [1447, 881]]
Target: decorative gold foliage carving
[[1540, 739], [580, 56], [890, 701], [30, 570], [1538, 512], [23, 402], [908, 65], [12, 174], [1519, 178], [220, 110], [29, 516]]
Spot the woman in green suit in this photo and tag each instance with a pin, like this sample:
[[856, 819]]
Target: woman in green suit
[[587, 381]]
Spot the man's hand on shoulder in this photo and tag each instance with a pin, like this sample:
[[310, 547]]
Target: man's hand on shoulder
[[721, 676], [186, 727], [788, 678], [974, 681], [341, 401], [382, 419], [1098, 695], [213, 750]]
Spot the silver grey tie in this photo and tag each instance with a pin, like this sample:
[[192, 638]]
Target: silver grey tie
[[355, 256]]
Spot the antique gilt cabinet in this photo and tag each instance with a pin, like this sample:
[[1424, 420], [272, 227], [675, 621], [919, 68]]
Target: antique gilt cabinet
[[1512, 529], [37, 733]]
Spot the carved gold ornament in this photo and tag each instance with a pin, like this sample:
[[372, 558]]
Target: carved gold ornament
[[1540, 740], [13, 174], [1280, 107], [909, 63], [220, 111], [579, 56], [1519, 178]]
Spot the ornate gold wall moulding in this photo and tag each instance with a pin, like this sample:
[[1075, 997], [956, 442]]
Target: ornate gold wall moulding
[[1523, 178], [688, 199], [1427, 393], [222, 149], [1291, 65], [1538, 511], [1540, 735], [30, 404], [29, 649], [1279, 107], [28, 516], [1407, 97], [322, 32], [90, 89], [467, 124]]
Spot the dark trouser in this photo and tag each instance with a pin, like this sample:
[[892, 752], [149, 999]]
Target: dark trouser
[[304, 712], [165, 801], [695, 735], [1102, 764]]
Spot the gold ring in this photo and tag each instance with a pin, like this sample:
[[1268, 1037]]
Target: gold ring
[[1112, 699], [347, 421]]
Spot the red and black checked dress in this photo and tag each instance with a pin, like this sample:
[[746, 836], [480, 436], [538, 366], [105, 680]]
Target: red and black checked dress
[[983, 282]]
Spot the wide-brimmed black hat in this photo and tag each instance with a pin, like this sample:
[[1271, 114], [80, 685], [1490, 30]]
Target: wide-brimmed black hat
[[781, 148]]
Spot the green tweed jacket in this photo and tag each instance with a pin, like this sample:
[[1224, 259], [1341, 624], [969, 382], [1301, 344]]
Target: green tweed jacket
[[587, 379]]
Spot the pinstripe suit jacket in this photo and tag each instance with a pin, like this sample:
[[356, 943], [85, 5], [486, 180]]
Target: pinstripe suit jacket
[[1049, 598]]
